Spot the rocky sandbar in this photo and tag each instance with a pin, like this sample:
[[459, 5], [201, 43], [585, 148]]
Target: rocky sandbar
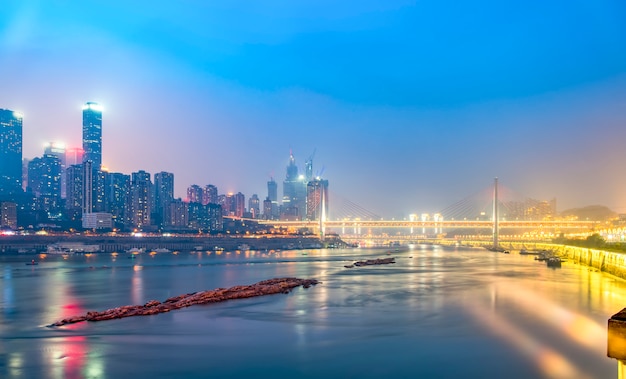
[[266, 287]]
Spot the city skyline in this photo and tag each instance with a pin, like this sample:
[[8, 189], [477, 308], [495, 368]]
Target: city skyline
[[413, 100]]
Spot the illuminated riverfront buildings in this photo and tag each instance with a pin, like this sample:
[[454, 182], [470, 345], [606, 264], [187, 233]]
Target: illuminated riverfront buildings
[[67, 188], [10, 152]]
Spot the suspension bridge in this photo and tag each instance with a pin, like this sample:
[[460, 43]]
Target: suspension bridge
[[495, 208]]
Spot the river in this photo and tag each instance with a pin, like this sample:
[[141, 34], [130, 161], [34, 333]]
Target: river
[[436, 313]]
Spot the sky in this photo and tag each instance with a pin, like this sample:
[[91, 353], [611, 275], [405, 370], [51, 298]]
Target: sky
[[405, 106]]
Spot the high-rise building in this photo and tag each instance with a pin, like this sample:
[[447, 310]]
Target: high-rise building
[[317, 199], [92, 134], [179, 214], [8, 215], [44, 181], [58, 150], [87, 173], [239, 204], [226, 201], [74, 190], [194, 194], [118, 197], [272, 190], [10, 152], [254, 206], [163, 196], [210, 194], [294, 192], [267, 209], [272, 196], [141, 188]]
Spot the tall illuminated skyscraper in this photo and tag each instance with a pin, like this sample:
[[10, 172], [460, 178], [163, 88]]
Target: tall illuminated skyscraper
[[164, 195], [92, 134], [10, 152]]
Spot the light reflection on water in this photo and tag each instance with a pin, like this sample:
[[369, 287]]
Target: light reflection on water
[[435, 313]]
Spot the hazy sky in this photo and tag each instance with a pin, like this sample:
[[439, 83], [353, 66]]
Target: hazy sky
[[410, 106]]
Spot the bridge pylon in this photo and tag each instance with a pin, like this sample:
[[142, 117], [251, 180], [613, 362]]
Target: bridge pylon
[[495, 214]]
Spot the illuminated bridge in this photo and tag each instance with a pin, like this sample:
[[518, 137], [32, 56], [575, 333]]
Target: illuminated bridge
[[495, 209]]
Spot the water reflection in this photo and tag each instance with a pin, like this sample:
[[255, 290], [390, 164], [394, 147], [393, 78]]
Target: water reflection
[[431, 302]]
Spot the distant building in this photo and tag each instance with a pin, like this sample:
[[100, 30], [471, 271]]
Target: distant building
[[194, 194], [118, 198], [58, 150], [239, 204], [74, 191], [92, 134], [8, 215], [317, 199], [97, 220], [10, 152], [226, 202], [179, 214], [87, 174], [141, 188], [267, 209], [209, 195], [254, 206], [44, 181], [272, 195], [163, 196], [294, 192]]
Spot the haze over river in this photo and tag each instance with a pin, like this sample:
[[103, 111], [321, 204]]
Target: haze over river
[[436, 313]]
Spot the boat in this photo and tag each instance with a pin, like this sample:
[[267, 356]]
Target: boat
[[71, 248], [32, 263], [244, 247], [553, 262], [526, 252], [136, 250], [162, 250]]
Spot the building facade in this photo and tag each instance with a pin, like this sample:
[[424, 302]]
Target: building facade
[[10, 152], [92, 134]]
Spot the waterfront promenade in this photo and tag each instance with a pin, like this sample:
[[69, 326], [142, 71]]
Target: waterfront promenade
[[119, 243]]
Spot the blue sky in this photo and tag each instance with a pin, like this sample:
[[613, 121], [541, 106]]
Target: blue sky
[[410, 106]]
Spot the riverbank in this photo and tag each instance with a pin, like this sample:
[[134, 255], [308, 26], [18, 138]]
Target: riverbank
[[610, 262], [119, 243]]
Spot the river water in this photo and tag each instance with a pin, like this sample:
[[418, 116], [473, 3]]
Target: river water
[[436, 313]]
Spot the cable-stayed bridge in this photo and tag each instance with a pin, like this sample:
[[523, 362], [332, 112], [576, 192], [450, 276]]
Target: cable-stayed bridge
[[496, 207]]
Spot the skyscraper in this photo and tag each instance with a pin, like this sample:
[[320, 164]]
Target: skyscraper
[[194, 194], [210, 194], [58, 150], [254, 206], [92, 134], [317, 199], [44, 181], [10, 152], [141, 188], [164, 195], [294, 192]]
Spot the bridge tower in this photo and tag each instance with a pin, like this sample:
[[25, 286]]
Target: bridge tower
[[322, 214], [495, 214]]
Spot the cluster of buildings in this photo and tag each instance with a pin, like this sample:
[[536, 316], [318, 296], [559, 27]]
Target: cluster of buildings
[[69, 189]]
